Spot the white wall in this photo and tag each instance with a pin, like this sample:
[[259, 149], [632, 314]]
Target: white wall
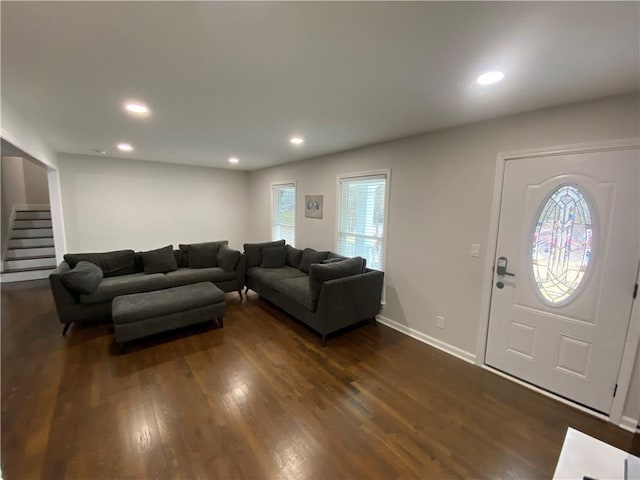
[[35, 183], [632, 405], [13, 192], [111, 204], [440, 200], [20, 134]]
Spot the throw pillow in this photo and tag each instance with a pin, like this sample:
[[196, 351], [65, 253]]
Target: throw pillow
[[112, 264], [332, 260], [178, 256], [320, 273], [228, 258], [253, 251], [161, 260], [85, 277], [184, 260], [274, 257], [310, 256], [203, 256], [184, 248], [294, 255]]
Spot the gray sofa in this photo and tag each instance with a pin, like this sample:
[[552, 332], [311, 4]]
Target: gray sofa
[[127, 272], [325, 291]]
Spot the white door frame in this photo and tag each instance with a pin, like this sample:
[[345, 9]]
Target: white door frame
[[633, 334], [57, 218]]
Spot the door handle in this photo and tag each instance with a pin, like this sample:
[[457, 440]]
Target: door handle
[[501, 268]]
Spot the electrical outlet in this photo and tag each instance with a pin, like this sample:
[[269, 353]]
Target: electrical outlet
[[474, 251], [440, 322]]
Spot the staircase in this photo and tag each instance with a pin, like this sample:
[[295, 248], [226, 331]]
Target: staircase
[[30, 254]]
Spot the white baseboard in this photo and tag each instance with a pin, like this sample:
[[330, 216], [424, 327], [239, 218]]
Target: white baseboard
[[424, 338], [628, 423]]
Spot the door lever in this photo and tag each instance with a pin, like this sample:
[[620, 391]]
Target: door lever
[[502, 268]]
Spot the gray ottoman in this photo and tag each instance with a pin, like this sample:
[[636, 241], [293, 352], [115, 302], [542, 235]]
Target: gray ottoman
[[142, 314]]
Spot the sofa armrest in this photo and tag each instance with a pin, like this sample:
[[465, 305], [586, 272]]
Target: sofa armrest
[[348, 300], [64, 298]]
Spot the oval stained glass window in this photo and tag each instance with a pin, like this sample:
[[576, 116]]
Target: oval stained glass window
[[562, 244]]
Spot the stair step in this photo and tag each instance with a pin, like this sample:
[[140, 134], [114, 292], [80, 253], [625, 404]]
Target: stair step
[[26, 252], [18, 224], [30, 242], [24, 275], [31, 232], [29, 269], [27, 263], [33, 215]]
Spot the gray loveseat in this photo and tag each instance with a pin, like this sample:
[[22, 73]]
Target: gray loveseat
[[324, 290], [126, 272]]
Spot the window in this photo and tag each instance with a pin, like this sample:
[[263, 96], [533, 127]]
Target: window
[[562, 244], [283, 214], [362, 217]]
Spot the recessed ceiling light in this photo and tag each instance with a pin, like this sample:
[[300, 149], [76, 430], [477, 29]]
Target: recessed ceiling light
[[125, 147], [297, 140], [136, 108], [490, 77], [233, 160]]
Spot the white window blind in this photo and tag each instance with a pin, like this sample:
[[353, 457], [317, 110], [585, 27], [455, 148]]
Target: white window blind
[[283, 216], [362, 217]]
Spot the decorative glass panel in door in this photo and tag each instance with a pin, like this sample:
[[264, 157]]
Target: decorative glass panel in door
[[562, 245]]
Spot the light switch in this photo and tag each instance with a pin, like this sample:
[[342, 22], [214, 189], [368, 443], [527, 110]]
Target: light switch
[[475, 250]]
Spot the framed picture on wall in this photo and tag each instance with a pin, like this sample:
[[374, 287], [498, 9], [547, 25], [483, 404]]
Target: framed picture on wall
[[313, 206]]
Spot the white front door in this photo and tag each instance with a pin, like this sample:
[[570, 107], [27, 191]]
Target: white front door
[[569, 233]]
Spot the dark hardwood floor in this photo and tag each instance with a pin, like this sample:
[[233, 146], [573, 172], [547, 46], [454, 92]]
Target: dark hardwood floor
[[261, 398]]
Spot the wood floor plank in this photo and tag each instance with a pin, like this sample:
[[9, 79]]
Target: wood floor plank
[[260, 398]]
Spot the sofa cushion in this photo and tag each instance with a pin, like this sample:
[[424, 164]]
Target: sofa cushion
[[84, 278], [119, 262], [294, 255], [161, 260], [203, 256], [269, 276], [320, 273], [254, 251], [186, 276], [297, 289], [184, 248], [228, 258], [310, 256], [274, 257], [113, 287]]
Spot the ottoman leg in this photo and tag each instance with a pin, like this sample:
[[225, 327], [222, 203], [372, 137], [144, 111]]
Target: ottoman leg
[[240, 293], [220, 321], [65, 329], [120, 347]]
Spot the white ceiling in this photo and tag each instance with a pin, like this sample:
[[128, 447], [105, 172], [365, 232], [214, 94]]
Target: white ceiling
[[238, 79]]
